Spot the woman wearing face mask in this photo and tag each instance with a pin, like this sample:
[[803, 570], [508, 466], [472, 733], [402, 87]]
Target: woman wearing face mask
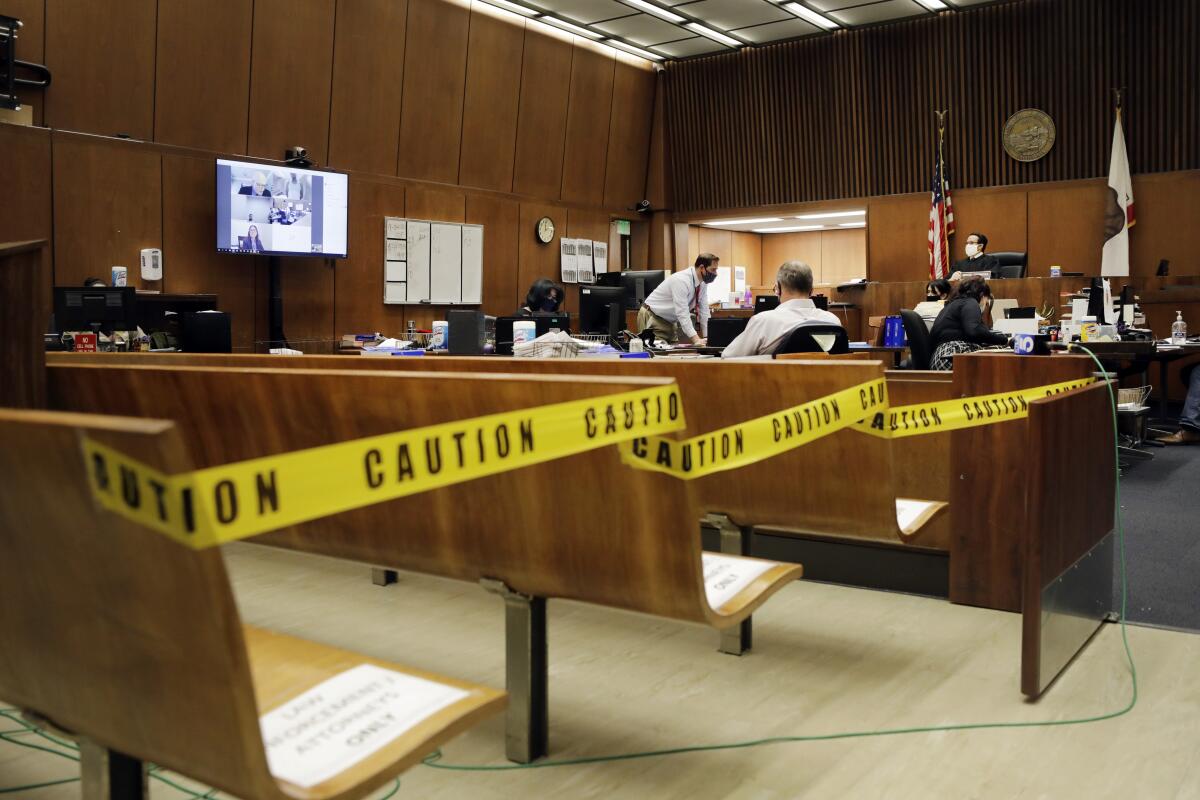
[[959, 328], [544, 297]]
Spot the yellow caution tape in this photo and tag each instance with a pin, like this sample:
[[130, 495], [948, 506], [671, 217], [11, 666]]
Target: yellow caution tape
[[965, 412], [221, 504], [759, 438], [863, 408]]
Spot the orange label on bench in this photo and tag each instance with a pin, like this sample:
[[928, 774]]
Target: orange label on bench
[[222, 504]]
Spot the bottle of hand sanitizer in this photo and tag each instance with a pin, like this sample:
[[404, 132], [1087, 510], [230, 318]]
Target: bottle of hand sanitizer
[[1178, 329]]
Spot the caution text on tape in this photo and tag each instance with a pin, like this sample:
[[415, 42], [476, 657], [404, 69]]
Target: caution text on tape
[[233, 501]]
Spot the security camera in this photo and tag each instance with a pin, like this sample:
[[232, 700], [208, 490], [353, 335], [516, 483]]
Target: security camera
[[643, 207], [297, 157]]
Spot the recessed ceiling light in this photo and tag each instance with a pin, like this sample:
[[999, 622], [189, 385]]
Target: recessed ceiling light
[[852, 224], [514, 7], [828, 214], [806, 13], [637, 51], [934, 5], [790, 229], [718, 222], [716, 36], [650, 8], [567, 26]]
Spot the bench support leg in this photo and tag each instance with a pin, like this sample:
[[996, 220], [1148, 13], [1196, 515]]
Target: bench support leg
[[527, 723], [382, 577], [735, 541], [108, 775]]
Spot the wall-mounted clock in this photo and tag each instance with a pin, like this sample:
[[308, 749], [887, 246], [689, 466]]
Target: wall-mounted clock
[[545, 230]]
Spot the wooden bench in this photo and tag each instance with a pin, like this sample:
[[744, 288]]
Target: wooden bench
[[984, 538], [133, 644], [583, 528], [791, 491]]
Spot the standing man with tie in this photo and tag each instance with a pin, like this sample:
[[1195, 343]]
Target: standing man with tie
[[669, 310]]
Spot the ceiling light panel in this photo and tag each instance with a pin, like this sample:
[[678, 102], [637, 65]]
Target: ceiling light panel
[[569, 27], [514, 8], [829, 214], [790, 229], [807, 14], [628, 48], [754, 221], [657, 11], [716, 36]]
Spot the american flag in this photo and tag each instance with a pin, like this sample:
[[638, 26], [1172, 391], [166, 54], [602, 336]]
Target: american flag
[[941, 221]]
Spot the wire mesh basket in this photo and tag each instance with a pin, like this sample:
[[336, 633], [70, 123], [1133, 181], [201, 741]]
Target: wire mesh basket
[[564, 347], [1134, 397]]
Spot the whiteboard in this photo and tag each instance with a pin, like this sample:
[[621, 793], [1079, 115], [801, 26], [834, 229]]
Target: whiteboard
[[418, 261], [426, 261], [472, 263], [445, 263]]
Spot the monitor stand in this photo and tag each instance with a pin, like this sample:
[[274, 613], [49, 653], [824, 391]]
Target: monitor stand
[[275, 337]]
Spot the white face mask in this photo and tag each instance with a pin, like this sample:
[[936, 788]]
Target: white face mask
[[972, 249]]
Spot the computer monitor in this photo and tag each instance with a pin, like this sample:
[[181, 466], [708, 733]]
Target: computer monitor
[[80, 309], [543, 323], [1097, 308], [765, 302], [602, 310], [280, 210], [638, 284]]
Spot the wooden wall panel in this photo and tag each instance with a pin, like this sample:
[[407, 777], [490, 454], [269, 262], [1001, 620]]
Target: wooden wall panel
[[191, 263], [542, 117], [1166, 224], [693, 248], [439, 205], [588, 115], [661, 247], [747, 252], [843, 255], [658, 186], [435, 65], [780, 247], [877, 86], [999, 214], [202, 77], [501, 221], [25, 160], [358, 280], [30, 47], [629, 132], [290, 77], [107, 207], [308, 306], [898, 238], [101, 56], [1066, 228], [368, 79], [717, 242], [493, 93], [539, 260]]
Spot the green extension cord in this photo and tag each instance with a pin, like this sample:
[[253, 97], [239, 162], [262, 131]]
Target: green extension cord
[[434, 760], [12, 715]]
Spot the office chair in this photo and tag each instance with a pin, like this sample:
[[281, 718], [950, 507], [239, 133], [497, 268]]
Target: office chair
[[1012, 265], [919, 344], [804, 340]]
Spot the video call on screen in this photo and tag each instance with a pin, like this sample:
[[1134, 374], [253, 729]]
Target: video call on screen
[[279, 210]]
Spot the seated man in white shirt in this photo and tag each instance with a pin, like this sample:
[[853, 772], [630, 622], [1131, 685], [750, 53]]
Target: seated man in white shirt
[[669, 309], [767, 331]]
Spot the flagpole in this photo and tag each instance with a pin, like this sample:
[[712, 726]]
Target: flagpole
[[941, 123]]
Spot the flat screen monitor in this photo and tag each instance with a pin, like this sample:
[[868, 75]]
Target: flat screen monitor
[[637, 283], [279, 210], [81, 309], [602, 310], [765, 302]]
